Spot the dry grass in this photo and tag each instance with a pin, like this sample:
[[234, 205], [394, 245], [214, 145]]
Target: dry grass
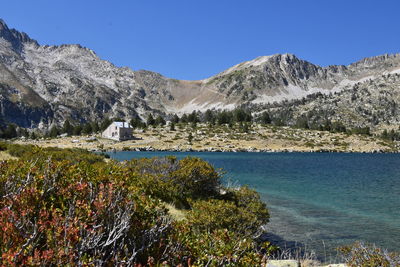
[[6, 156], [225, 139], [175, 213]]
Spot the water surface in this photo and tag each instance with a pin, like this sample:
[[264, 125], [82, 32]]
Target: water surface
[[321, 200]]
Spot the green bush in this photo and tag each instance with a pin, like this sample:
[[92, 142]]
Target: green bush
[[217, 248], [196, 178], [3, 146], [177, 181], [28, 152], [20, 150]]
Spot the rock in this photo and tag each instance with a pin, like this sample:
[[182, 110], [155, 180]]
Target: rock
[[310, 263], [304, 263], [283, 263]]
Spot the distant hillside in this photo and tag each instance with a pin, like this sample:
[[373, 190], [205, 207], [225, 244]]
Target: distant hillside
[[41, 85], [372, 103]]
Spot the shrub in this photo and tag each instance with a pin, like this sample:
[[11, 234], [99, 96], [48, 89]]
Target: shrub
[[51, 216], [240, 211], [196, 178], [217, 248], [177, 181], [3, 146], [366, 255], [250, 200], [20, 150], [28, 152], [69, 207]]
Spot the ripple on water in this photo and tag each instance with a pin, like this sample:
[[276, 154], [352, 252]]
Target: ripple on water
[[318, 200]]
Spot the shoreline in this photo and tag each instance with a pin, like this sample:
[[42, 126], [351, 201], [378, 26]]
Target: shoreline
[[53, 143], [143, 149]]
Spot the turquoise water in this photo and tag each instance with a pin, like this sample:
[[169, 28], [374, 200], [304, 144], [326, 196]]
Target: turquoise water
[[318, 200]]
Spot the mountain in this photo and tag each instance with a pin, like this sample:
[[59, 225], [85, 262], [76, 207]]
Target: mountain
[[41, 85], [373, 103]]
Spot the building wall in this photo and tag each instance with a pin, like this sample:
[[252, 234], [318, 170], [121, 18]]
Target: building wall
[[112, 132], [116, 133], [125, 133]]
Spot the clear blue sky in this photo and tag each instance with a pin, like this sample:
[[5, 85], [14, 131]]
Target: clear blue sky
[[194, 39]]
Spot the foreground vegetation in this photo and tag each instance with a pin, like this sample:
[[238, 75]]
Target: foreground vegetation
[[367, 255], [72, 207], [61, 207]]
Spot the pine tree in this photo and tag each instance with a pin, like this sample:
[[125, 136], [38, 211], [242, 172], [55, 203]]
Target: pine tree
[[33, 136], [265, 118], [159, 120], [239, 115], [77, 130], [245, 128], [87, 129], [137, 123], [224, 117], [105, 123], [190, 138], [53, 133], [10, 131], [184, 118], [95, 127], [67, 128], [193, 118], [175, 119], [25, 133], [209, 117], [150, 120]]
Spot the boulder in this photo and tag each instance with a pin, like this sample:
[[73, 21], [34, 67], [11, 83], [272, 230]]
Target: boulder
[[283, 263]]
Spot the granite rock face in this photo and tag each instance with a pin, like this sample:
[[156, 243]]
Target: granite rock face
[[42, 85]]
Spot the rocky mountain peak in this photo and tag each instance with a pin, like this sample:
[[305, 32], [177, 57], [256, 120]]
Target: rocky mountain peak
[[3, 25], [41, 85], [14, 37], [385, 61]]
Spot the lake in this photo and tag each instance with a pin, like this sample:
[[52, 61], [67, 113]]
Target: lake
[[316, 200]]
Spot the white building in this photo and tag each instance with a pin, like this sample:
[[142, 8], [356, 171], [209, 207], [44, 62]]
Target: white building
[[119, 131]]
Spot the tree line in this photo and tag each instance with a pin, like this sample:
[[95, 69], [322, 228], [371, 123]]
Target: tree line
[[240, 116]]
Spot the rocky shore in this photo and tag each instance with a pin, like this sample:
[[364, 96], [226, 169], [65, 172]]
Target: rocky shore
[[303, 263]]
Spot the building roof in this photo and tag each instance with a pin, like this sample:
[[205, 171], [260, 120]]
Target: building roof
[[122, 124]]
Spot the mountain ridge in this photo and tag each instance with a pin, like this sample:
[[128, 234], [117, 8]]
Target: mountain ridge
[[72, 82]]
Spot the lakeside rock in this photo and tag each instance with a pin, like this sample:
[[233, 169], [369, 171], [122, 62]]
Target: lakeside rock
[[304, 263]]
